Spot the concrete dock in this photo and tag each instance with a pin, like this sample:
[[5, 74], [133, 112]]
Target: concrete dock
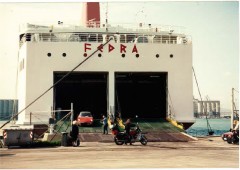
[[208, 152]]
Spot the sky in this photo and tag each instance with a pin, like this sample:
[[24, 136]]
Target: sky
[[213, 27]]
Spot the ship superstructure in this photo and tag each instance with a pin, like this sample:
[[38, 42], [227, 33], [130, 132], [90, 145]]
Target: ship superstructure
[[142, 70]]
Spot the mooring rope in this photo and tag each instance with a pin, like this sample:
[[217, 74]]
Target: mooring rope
[[208, 125], [57, 82]]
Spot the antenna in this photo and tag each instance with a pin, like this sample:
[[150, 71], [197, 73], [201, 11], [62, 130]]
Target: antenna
[[140, 17], [106, 15]]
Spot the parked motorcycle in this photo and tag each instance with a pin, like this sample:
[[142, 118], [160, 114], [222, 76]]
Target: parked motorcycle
[[136, 136], [234, 137], [231, 137]]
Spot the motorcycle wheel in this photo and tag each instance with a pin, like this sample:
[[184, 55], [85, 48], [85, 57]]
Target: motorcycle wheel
[[143, 141], [229, 140], [118, 142]]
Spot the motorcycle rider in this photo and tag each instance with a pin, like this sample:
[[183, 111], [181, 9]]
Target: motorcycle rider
[[235, 136], [128, 125], [129, 135]]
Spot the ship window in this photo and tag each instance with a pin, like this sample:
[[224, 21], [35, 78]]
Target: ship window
[[49, 54], [122, 38], [99, 55], [142, 40], [157, 55], [64, 54], [99, 38], [137, 55], [171, 55], [111, 36], [157, 39], [83, 37], [131, 38], [123, 55], [173, 39], [92, 37], [165, 39], [28, 37], [74, 37]]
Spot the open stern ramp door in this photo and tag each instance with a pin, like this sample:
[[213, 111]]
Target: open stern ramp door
[[86, 90], [141, 93]]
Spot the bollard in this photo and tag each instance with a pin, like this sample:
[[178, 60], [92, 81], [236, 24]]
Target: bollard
[[64, 139]]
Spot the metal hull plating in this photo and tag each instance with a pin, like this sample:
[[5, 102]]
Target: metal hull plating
[[37, 70]]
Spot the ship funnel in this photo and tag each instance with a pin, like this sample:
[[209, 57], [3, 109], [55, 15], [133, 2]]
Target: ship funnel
[[91, 14]]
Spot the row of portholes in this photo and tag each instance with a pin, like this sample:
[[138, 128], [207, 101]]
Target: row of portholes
[[50, 54], [100, 55], [123, 55]]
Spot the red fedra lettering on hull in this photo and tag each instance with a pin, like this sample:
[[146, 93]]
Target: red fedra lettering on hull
[[86, 47], [134, 50], [100, 47], [122, 48], [110, 48]]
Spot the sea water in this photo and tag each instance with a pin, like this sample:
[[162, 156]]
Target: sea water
[[219, 126]]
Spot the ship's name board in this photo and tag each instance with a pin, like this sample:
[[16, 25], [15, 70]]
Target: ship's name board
[[110, 48]]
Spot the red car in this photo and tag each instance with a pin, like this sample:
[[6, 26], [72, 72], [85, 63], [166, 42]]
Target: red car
[[85, 118]]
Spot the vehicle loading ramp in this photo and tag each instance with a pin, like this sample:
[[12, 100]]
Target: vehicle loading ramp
[[155, 130], [152, 137]]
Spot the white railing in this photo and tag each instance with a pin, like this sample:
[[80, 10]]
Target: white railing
[[113, 27], [147, 28], [101, 38]]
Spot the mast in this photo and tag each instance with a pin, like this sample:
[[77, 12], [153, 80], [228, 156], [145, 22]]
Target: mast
[[232, 115], [106, 21], [235, 115]]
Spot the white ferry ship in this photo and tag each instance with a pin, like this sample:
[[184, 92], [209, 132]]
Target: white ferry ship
[[144, 70]]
